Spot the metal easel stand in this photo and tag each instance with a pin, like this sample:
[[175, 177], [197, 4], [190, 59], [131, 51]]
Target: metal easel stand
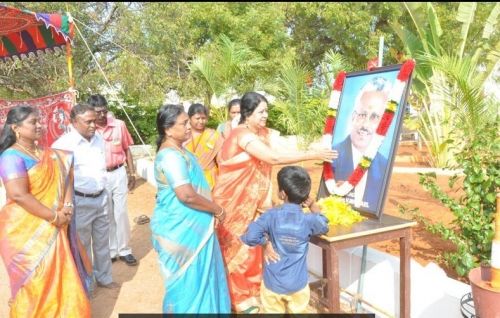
[[467, 306], [358, 296]]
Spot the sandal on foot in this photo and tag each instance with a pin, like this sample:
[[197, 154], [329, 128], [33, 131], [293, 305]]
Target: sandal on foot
[[251, 310]]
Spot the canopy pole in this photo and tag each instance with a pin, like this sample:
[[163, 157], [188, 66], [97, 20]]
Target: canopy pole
[[113, 92], [380, 51], [69, 53]]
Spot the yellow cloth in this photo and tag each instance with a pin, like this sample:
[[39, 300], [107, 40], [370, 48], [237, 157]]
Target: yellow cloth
[[205, 147], [273, 303], [43, 276]]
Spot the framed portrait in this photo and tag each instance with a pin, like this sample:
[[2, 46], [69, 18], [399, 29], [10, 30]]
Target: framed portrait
[[365, 99]]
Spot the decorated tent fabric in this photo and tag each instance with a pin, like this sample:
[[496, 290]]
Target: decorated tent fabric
[[26, 34], [54, 113]]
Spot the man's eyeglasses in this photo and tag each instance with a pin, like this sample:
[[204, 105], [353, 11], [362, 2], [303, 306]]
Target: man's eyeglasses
[[102, 112], [362, 116]]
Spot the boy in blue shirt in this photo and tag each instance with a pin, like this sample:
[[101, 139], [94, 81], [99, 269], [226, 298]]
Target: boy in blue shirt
[[285, 285]]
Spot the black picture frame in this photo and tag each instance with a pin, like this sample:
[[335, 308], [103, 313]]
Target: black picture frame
[[377, 182]]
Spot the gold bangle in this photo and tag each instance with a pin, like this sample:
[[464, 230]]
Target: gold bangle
[[219, 214], [55, 218]]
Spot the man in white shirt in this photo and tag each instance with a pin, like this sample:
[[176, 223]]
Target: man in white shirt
[[369, 107], [91, 197]]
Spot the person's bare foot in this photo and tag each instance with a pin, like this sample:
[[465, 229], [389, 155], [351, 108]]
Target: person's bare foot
[[112, 285]]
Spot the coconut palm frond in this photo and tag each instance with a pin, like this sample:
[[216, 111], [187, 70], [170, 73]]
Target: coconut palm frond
[[463, 92], [269, 85], [225, 66], [293, 78], [203, 69]]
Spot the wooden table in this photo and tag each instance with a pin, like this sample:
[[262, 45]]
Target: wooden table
[[363, 233]]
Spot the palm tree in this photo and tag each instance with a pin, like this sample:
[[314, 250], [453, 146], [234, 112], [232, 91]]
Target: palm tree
[[331, 65], [457, 83], [438, 112], [226, 67], [301, 105], [464, 94]]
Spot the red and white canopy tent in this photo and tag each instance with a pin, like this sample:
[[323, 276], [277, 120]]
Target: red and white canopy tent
[[25, 34]]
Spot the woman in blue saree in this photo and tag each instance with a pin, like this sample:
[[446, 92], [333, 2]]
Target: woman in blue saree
[[183, 224]]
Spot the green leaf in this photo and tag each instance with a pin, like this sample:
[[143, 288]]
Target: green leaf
[[490, 197], [435, 27], [462, 270], [491, 22], [465, 15]]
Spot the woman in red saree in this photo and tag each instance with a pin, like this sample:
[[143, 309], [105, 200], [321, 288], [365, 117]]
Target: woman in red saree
[[243, 188], [39, 249]]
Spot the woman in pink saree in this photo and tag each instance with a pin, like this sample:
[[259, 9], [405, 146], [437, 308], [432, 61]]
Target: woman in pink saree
[[243, 188], [38, 244]]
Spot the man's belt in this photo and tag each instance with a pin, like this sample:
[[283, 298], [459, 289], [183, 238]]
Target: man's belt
[[87, 195], [114, 168]]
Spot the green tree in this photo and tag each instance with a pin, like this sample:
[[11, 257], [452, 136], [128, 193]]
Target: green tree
[[227, 67], [351, 29], [473, 132], [48, 74], [174, 34], [424, 39], [301, 107]]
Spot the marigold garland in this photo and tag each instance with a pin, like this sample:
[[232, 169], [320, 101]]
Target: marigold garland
[[381, 131], [338, 212]]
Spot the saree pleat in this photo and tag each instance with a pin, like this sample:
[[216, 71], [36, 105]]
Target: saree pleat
[[243, 186], [44, 278], [189, 253]]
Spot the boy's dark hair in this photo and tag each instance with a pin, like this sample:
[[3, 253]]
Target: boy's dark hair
[[295, 182]]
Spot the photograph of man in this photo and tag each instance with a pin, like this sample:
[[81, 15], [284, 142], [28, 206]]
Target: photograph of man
[[369, 106]]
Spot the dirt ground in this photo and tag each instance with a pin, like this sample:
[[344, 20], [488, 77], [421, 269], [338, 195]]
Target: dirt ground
[[142, 286]]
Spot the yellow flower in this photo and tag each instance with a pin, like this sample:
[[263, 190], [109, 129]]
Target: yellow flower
[[338, 212], [332, 112], [365, 162], [392, 106]]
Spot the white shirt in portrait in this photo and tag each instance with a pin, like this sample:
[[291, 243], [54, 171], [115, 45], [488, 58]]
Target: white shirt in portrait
[[359, 190]]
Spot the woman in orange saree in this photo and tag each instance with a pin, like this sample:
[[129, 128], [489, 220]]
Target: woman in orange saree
[[205, 143], [243, 188], [39, 249]]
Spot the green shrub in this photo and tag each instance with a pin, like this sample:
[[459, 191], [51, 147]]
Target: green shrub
[[144, 119], [274, 122], [217, 116], [472, 229], [306, 120]]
